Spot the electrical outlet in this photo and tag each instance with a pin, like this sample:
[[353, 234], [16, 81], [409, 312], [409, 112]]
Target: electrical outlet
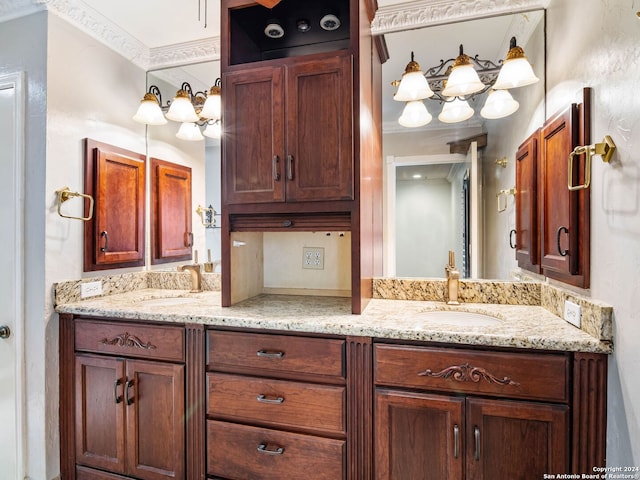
[[90, 289], [313, 258], [572, 313]]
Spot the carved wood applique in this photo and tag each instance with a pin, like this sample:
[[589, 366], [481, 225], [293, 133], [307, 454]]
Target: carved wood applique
[[130, 341], [468, 373]]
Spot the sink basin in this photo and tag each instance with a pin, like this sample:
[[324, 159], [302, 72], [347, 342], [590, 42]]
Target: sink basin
[[466, 319], [163, 302]]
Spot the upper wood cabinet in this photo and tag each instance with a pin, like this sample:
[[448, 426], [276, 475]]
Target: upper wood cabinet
[[527, 168], [115, 236], [171, 217], [553, 222], [310, 101]]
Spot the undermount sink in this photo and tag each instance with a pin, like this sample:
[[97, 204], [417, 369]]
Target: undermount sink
[[466, 319], [163, 302]]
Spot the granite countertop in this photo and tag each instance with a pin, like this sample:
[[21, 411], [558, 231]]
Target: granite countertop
[[519, 326]]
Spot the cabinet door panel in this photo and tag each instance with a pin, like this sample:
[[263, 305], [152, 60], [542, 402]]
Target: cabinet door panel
[[516, 440], [559, 205], [171, 212], [100, 416], [527, 243], [418, 436], [155, 420], [319, 130], [253, 143]]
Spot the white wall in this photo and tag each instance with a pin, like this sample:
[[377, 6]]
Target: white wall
[[23, 48], [601, 49]]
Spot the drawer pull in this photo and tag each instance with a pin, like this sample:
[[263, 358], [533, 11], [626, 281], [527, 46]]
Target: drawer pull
[[264, 399], [116, 397], [128, 385], [476, 436], [265, 353], [468, 373], [456, 441], [262, 448]]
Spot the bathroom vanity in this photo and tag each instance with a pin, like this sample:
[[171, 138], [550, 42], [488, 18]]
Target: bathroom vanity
[[167, 384]]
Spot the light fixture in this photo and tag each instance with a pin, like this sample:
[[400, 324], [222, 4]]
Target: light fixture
[[413, 85], [455, 81], [192, 110], [463, 79], [330, 22], [303, 25], [516, 71], [415, 114], [499, 104], [274, 29]]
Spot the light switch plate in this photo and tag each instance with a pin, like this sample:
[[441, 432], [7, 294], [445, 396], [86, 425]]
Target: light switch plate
[[90, 289], [572, 313]]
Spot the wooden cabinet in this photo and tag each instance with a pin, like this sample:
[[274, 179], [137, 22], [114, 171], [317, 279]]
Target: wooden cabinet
[[126, 403], [527, 233], [462, 413], [115, 236], [276, 406], [552, 221], [302, 132], [171, 232], [311, 102]]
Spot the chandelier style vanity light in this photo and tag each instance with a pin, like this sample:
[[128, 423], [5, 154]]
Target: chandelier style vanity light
[[192, 110], [456, 81]]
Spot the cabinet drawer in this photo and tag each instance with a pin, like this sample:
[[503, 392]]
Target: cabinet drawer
[[240, 451], [514, 375], [317, 408], [130, 339], [249, 352]]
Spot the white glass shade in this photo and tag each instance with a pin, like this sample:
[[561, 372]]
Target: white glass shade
[[149, 112], [463, 80], [415, 114], [413, 86], [181, 109], [455, 111], [499, 104], [514, 73], [212, 106], [189, 131], [213, 130]]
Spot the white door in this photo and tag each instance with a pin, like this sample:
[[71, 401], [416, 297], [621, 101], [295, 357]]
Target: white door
[[11, 264]]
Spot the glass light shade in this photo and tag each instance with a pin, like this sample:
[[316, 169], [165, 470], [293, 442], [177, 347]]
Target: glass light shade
[[213, 105], [181, 109], [149, 111], [189, 131], [455, 111], [463, 80], [499, 104], [413, 86], [515, 72], [213, 130], [415, 114]]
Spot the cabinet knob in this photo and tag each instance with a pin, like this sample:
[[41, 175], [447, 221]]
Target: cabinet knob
[[5, 331]]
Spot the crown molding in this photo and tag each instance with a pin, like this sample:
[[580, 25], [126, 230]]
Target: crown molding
[[197, 51], [426, 13], [11, 9]]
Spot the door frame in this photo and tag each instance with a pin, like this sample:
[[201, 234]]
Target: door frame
[[17, 82]]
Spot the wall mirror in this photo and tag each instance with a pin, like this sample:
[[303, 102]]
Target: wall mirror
[[203, 156], [429, 210]]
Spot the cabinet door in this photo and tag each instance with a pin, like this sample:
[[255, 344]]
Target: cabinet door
[[155, 420], [253, 141], [418, 436], [319, 162], [515, 439], [100, 414], [171, 212], [559, 206], [527, 244]]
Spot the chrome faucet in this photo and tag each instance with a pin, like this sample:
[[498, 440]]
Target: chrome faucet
[[453, 280], [196, 276]]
